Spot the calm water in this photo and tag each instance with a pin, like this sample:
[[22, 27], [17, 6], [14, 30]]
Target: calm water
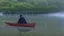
[[52, 22], [45, 23]]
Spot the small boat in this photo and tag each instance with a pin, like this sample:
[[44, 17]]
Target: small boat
[[29, 27], [21, 25]]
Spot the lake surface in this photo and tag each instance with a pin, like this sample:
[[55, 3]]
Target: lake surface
[[52, 24]]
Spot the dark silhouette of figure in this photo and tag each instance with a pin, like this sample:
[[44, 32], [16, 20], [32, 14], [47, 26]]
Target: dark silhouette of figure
[[22, 20]]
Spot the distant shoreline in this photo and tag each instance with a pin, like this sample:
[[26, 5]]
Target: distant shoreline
[[31, 11]]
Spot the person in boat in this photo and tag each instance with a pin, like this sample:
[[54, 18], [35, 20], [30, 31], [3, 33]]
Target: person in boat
[[22, 20]]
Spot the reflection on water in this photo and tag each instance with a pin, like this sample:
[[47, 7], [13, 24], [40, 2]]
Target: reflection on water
[[60, 14], [46, 23]]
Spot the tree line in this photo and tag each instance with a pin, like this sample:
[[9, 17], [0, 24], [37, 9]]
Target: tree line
[[27, 6]]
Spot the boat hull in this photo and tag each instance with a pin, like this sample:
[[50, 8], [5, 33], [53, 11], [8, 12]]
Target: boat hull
[[21, 25]]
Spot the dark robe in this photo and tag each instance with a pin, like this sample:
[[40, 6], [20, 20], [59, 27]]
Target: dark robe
[[22, 20]]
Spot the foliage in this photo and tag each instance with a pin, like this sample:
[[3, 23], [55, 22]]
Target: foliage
[[15, 6]]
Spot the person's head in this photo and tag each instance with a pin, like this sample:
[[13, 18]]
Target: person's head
[[20, 15]]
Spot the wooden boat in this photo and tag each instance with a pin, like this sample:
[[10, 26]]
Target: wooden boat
[[21, 25]]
